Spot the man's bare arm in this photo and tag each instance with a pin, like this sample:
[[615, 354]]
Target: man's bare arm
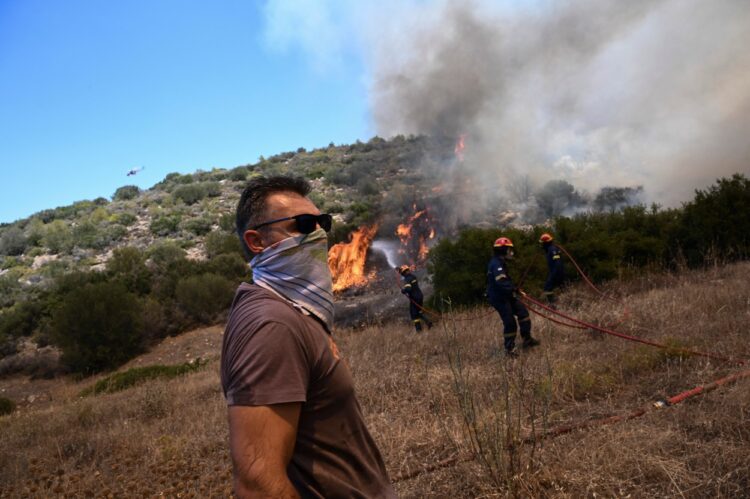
[[261, 442]]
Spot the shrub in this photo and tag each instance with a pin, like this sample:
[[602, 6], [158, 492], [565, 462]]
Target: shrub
[[227, 222], [718, 221], [126, 192], [218, 243], [238, 174], [230, 265], [198, 226], [97, 326], [128, 265], [58, 237], [6, 406], [90, 235], [137, 375], [165, 225], [459, 267], [189, 194], [557, 196], [22, 318], [125, 218], [12, 242], [192, 193], [204, 296]]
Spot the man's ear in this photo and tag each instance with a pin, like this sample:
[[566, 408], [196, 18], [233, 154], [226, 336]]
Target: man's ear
[[253, 240]]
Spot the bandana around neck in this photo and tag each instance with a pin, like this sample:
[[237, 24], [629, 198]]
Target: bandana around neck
[[296, 268]]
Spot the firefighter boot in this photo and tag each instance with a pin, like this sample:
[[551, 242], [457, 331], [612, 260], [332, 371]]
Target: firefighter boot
[[418, 325]]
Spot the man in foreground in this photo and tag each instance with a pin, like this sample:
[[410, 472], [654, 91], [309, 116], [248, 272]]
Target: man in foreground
[[295, 425], [501, 293]]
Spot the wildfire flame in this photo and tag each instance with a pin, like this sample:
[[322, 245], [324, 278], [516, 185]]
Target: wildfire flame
[[458, 150], [414, 234], [347, 260]]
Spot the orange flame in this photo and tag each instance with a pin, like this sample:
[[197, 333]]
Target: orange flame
[[347, 260], [458, 150], [416, 239]]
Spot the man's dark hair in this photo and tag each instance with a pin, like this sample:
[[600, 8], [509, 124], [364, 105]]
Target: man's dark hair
[[251, 208]]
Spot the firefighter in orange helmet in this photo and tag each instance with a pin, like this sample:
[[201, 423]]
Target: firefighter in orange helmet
[[555, 269], [412, 291], [501, 293]]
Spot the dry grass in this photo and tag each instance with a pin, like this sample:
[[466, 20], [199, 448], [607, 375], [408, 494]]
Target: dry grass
[[168, 438]]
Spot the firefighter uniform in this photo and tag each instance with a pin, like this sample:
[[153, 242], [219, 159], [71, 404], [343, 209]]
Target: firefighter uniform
[[412, 291], [556, 272], [501, 294]]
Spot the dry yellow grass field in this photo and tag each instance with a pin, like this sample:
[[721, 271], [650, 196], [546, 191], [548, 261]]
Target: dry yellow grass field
[[448, 398]]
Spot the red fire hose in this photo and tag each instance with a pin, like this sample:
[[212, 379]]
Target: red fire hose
[[526, 298]]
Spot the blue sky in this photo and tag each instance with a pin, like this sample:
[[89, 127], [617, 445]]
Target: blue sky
[[91, 89]]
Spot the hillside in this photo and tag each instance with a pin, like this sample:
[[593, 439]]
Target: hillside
[[169, 437]]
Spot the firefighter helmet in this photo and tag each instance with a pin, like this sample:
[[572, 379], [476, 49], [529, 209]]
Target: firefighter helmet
[[501, 242], [403, 269], [545, 238]]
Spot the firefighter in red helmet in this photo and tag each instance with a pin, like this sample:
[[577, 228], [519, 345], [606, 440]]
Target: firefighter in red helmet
[[412, 291], [501, 293], [555, 270]]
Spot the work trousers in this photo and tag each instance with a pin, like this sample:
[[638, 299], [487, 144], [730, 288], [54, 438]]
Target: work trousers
[[510, 309], [417, 315]]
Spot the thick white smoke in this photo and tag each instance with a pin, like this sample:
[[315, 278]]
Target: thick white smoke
[[595, 92]]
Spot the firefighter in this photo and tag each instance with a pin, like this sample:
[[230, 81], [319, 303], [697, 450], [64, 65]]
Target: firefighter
[[556, 272], [502, 295], [412, 291]]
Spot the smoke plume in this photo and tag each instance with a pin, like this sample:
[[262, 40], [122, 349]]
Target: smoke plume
[[593, 92]]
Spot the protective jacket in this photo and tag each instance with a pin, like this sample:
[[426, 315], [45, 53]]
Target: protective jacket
[[556, 272], [500, 286], [411, 288]]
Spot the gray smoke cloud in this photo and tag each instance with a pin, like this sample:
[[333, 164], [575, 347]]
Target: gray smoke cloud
[[594, 92]]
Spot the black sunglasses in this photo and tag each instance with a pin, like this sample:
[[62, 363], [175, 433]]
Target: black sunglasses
[[306, 223]]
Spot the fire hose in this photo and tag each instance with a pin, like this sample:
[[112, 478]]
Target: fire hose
[[529, 300], [580, 425]]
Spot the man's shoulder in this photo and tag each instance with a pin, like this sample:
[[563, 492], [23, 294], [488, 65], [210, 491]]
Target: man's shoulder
[[257, 306]]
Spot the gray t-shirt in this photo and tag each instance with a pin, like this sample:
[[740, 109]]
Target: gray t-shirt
[[273, 354]]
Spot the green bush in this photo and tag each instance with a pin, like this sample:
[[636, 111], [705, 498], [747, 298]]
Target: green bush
[[125, 218], [6, 406], [97, 326], [190, 193], [22, 318], [238, 174], [164, 225], [128, 266], [12, 242], [204, 296], [219, 242], [58, 237], [198, 226], [227, 222], [126, 192], [137, 375], [717, 222], [230, 265]]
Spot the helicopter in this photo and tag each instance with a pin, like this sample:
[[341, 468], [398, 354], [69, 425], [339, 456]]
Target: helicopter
[[135, 170]]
